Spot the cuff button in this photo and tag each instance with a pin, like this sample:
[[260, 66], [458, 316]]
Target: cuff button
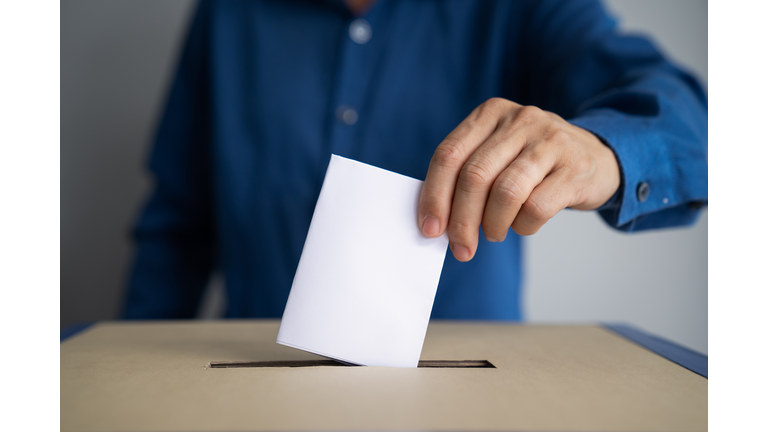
[[643, 190]]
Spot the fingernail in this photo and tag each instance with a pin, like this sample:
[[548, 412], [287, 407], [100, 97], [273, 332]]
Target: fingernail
[[460, 252], [431, 226]]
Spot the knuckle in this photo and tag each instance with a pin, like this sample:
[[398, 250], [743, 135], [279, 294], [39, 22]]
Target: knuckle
[[497, 102], [461, 231], [474, 175], [527, 167], [529, 114], [491, 108], [537, 210], [559, 136], [508, 192], [460, 227], [536, 155], [448, 154]]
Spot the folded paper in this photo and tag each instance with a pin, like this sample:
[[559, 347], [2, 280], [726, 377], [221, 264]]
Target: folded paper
[[367, 277]]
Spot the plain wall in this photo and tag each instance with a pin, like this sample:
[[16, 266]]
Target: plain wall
[[117, 59]]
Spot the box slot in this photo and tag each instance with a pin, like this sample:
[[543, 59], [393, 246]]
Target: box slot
[[458, 364]]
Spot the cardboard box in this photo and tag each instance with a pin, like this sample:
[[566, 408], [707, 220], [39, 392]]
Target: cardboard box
[[156, 376]]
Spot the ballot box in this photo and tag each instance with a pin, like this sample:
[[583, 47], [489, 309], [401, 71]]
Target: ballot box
[[232, 376]]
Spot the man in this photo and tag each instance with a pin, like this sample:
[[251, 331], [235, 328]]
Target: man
[[472, 96]]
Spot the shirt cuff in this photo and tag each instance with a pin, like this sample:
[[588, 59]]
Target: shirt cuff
[[646, 171]]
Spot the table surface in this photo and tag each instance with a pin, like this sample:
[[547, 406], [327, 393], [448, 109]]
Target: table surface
[[155, 376]]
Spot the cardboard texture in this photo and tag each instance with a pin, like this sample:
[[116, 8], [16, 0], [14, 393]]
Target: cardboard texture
[[151, 376]]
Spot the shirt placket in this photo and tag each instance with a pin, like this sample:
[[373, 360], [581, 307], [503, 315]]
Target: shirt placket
[[356, 57]]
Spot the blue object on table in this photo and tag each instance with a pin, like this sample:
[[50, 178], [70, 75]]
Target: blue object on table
[[689, 359], [73, 329]]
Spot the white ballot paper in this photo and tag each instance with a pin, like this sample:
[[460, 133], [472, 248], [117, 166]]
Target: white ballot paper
[[367, 277]]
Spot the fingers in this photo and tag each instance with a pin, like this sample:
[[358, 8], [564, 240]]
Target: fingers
[[513, 187], [554, 193], [475, 181], [496, 169], [448, 160]]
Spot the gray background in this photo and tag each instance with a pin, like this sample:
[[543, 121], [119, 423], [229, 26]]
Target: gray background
[[117, 58]]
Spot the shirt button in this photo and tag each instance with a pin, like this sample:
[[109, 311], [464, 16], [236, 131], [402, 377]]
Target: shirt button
[[346, 114], [360, 31], [643, 190]]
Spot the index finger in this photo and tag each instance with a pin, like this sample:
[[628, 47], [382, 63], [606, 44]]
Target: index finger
[[447, 161]]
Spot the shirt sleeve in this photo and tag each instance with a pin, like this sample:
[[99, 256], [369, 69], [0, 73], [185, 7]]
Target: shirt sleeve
[[651, 113], [174, 234]]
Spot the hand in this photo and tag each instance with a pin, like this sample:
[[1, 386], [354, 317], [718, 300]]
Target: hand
[[508, 165]]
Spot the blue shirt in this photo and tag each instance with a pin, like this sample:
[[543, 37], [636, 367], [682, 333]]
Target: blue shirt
[[266, 90]]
